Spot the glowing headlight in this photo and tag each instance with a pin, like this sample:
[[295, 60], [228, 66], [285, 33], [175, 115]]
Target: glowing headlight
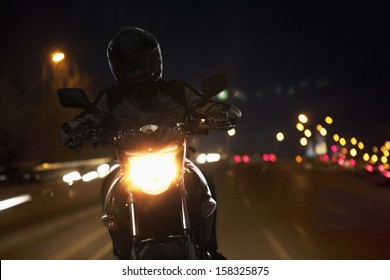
[[153, 173]]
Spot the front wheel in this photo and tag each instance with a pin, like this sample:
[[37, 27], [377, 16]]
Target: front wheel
[[174, 250]]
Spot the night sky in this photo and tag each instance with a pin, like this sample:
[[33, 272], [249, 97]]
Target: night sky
[[280, 58]]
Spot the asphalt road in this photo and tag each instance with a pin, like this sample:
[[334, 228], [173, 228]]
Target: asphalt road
[[287, 211], [266, 211]]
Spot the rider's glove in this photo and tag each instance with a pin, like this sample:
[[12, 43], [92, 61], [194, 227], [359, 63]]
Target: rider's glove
[[79, 135], [219, 121]]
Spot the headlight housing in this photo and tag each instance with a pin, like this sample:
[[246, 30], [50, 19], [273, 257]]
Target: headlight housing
[[153, 172]]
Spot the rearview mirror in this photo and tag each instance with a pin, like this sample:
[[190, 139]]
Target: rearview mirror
[[73, 98], [76, 98]]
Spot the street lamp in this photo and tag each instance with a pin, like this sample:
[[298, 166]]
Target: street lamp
[[323, 131], [57, 57], [50, 69], [280, 136], [300, 126], [329, 120], [303, 141], [307, 133], [302, 118]]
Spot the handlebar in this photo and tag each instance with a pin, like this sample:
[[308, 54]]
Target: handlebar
[[194, 127]]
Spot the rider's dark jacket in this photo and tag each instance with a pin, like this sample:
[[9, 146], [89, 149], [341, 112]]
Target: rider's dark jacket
[[167, 105]]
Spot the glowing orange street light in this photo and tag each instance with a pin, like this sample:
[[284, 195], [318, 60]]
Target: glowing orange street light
[[328, 120], [57, 57]]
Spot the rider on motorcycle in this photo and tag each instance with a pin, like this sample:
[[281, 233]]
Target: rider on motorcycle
[[142, 96]]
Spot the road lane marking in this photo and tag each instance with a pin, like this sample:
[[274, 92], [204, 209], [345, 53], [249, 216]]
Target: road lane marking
[[278, 248], [300, 230], [335, 208], [304, 236]]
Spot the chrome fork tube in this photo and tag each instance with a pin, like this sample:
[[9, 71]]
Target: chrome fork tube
[[185, 218], [134, 225], [133, 217]]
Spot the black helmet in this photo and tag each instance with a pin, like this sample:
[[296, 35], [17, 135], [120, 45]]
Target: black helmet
[[134, 56]]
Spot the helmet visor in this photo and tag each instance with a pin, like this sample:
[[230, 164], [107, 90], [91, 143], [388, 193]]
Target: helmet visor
[[137, 68]]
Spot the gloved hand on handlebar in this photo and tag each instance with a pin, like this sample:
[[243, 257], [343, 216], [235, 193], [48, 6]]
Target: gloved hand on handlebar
[[79, 135], [219, 121]]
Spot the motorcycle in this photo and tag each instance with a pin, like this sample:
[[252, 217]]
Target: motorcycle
[[153, 197]]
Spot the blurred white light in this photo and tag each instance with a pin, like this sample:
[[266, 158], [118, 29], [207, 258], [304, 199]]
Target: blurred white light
[[71, 177], [300, 126], [90, 176], [239, 94], [3, 177], [103, 170], [280, 136], [14, 201], [201, 159], [213, 157], [232, 132], [303, 141], [57, 56], [114, 166], [302, 118]]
